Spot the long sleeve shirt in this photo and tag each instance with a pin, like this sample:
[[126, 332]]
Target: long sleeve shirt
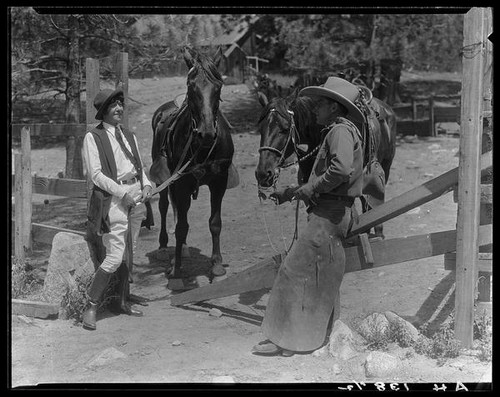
[[124, 167], [338, 168]]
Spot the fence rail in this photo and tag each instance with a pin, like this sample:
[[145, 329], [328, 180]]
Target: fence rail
[[50, 129], [75, 188]]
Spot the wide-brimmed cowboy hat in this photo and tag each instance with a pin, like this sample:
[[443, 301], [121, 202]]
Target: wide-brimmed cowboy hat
[[339, 90], [104, 98]]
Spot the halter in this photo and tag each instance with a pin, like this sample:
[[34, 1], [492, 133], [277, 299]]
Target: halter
[[293, 135]]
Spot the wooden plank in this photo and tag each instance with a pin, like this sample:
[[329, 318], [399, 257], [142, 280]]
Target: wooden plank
[[122, 81], [76, 188], [385, 252], [37, 309], [50, 129], [25, 204], [486, 194], [485, 264], [447, 114], [413, 127], [60, 187], [18, 230], [413, 198], [469, 174], [254, 278], [91, 89], [431, 116], [45, 233]]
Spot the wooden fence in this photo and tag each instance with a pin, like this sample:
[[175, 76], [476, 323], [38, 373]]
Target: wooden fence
[[422, 115]]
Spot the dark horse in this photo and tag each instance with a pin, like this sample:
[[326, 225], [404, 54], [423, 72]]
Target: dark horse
[[193, 142], [288, 123]]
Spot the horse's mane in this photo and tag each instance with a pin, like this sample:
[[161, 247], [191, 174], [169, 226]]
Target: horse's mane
[[277, 103], [303, 108], [205, 65]]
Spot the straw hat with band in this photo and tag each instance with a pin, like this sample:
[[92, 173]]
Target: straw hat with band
[[104, 98], [339, 90]]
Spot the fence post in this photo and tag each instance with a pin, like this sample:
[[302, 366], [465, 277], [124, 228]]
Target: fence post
[[92, 85], [23, 195], [431, 116], [469, 174], [122, 80], [414, 108]]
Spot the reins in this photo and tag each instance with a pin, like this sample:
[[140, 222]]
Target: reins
[[179, 168]]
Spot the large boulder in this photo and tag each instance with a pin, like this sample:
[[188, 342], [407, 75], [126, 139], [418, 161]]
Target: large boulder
[[69, 259], [343, 341]]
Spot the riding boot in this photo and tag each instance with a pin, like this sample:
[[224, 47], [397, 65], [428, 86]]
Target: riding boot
[[95, 293], [123, 305]]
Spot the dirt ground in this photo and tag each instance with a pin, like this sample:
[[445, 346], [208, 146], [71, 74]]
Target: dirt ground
[[189, 345]]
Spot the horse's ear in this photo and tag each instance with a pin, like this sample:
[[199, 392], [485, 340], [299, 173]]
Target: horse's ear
[[218, 57], [262, 98], [189, 57], [293, 95]]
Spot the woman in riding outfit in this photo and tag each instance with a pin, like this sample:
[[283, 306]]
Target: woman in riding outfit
[[304, 301], [114, 166]]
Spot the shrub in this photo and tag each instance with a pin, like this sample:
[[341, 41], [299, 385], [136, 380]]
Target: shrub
[[23, 283], [441, 345], [483, 333], [75, 300]]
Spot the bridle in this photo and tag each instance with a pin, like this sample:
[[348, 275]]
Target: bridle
[[293, 136]]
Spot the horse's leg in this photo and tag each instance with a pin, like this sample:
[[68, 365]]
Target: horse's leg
[[171, 229], [149, 221], [163, 239], [181, 198], [217, 191]]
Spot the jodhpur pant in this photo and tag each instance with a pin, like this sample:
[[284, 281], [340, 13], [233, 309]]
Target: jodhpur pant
[[306, 291], [114, 241]]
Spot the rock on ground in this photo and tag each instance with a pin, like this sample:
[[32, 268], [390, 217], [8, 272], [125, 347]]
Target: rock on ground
[[382, 324], [378, 364], [69, 257], [343, 341]]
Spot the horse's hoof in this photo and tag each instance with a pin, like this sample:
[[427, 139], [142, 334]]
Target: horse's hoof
[[216, 279], [162, 255], [218, 270], [185, 251], [176, 284], [202, 281]]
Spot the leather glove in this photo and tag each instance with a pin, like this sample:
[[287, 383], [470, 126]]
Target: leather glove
[[305, 193], [127, 202], [146, 193], [283, 195]]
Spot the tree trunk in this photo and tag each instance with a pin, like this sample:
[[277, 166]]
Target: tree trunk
[[74, 163]]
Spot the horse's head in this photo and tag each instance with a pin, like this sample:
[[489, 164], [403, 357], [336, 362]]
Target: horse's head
[[204, 84], [275, 126]]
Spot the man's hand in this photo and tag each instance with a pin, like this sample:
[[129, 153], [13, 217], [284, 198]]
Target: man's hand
[[283, 195], [128, 202], [146, 193], [305, 193]]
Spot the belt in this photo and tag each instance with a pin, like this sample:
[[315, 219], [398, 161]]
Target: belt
[[326, 196], [130, 181]]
